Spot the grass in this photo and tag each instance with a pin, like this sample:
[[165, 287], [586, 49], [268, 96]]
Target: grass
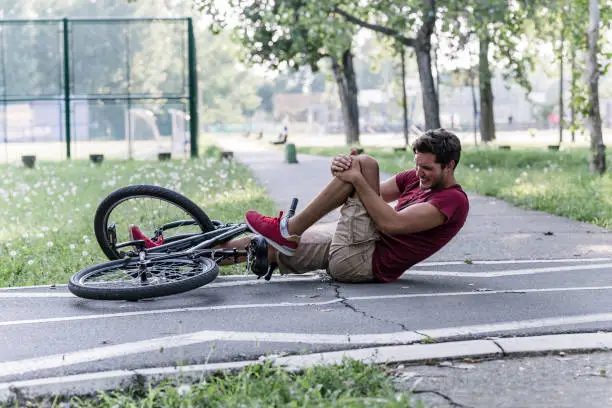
[[556, 182], [46, 213], [349, 384]]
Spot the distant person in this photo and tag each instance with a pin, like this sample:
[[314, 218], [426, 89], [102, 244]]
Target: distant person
[[510, 119], [282, 137]]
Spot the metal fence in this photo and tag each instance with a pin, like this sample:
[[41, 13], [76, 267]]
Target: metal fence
[[122, 87]]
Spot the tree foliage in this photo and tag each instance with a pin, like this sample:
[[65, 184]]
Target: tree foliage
[[290, 34]]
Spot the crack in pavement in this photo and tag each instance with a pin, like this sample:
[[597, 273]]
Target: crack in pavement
[[438, 393], [346, 303], [500, 347]]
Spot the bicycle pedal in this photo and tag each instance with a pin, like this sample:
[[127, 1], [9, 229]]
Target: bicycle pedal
[[271, 269], [257, 256]]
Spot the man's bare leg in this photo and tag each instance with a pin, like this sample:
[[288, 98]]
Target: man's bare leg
[[331, 197]]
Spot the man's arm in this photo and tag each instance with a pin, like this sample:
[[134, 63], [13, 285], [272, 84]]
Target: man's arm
[[415, 218], [389, 191]]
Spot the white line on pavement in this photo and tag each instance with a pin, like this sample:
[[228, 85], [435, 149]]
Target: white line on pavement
[[120, 350], [250, 279], [297, 304], [10, 295], [167, 311], [483, 292], [514, 261], [497, 274], [234, 280]]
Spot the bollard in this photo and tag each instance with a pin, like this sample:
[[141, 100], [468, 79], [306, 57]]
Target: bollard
[[226, 155], [96, 158], [290, 153], [29, 161]]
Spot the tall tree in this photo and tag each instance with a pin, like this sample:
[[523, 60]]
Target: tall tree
[[498, 27], [582, 38], [283, 34], [410, 23], [598, 149]]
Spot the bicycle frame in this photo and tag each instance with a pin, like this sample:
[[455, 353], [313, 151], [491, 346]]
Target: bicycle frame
[[197, 244]]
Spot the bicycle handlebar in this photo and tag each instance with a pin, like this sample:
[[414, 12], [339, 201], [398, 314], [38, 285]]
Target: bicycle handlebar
[[292, 208]]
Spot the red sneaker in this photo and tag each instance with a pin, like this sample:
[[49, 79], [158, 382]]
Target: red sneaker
[[269, 228], [136, 234]]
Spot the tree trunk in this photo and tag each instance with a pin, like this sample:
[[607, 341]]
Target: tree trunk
[[573, 93], [561, 78], [404, 98], [422, 49], [593, 120], [431, 109], [344, 74], [487, 118], [474, 105]]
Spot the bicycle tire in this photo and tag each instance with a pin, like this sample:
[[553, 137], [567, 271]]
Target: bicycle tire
[[207, 271], [142, 190]]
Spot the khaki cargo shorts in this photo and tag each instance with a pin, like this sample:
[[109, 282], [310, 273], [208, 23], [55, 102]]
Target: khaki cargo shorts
[[344, 249]]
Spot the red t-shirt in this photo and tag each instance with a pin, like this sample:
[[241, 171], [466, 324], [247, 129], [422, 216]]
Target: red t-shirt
[[396, 253]]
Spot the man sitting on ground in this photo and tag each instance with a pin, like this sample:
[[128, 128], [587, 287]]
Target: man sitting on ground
[[372, 241]]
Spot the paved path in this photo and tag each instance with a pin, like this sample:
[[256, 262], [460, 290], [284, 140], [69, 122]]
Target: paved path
[[531, 274]]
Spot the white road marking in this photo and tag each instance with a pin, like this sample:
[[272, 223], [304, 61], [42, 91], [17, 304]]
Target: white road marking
[[516, 325], [497, 274], [514, 261], [10, 295], [167, 311], [120, 350], [484, 292], [13, 293], [297, 304], [248, 280]]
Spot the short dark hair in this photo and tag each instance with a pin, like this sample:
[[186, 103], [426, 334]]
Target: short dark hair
[[440, 142]]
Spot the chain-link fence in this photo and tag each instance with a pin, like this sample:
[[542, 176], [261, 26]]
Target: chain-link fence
[[130, 86]]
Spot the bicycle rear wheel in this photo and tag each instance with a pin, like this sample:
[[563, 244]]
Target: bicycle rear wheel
[[130, 279], [157, 211]]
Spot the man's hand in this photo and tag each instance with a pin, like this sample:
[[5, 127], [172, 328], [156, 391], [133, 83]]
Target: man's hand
[[351, 174], [340, 163]]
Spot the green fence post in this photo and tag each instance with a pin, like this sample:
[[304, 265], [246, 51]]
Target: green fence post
[[193, 89], [67, 86]]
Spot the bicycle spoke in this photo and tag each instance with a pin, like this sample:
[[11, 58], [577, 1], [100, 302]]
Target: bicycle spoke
[[150, 214], [128, 275]]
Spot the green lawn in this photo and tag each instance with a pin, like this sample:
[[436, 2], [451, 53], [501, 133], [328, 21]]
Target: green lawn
[[351, 384], [555, 182], [46, 213]]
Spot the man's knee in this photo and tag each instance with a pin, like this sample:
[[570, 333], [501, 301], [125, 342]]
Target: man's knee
[[368, 163]]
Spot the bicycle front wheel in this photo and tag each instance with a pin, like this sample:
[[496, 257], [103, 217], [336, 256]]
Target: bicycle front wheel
[[132, 279], [157, 211]]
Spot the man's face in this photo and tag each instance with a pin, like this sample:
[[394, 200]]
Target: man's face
[[430, 173]]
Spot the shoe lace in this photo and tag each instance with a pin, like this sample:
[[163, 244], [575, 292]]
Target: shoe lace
[[272, 220]]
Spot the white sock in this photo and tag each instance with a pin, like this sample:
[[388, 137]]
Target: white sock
[[283, 228]]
